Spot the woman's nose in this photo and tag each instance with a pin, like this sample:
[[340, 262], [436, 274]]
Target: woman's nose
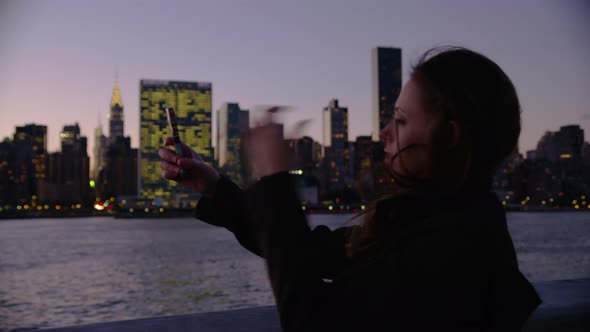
[[385, 133]]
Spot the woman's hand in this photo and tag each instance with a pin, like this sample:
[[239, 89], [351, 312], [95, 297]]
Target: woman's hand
[[268, 150], [268, 153], [189, 170]]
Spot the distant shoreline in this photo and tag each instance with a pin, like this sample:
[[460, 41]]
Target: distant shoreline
[[190, 213]]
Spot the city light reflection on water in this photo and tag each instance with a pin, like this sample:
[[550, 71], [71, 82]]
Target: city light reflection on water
[[60, 272]]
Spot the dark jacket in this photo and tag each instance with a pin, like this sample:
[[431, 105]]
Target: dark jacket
[[448, 264]]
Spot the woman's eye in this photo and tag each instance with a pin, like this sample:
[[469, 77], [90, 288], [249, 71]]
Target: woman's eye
[[398, 120]]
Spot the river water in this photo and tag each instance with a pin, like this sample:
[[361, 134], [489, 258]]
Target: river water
[[61, 272]]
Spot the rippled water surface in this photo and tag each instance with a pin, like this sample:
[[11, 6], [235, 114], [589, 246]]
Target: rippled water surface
[[60, 272]]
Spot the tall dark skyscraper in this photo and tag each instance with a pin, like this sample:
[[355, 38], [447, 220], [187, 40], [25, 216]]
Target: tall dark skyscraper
[[68, 170], [586, 153], [100, 145], [116, 119], [232, 125], [192, 102], [548, 147], [571, 140], [29, 162], [117, 163], [363, 152], [72, 141], [119, 174], [33, 135], [305, 157], [387, 84], [336, 152], [6, 173], [565, 144]]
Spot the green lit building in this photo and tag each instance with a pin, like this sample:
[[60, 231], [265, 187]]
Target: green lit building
[[192, 102]]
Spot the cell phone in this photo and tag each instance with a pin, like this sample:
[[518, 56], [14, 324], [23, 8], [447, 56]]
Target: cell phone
[[172, 124]]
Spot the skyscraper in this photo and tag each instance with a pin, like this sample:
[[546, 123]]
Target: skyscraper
[[571, 140], [387, 84], [548, 147], [71, 140], [29, 160], [100, 143], [6, 173], [192, 102], [336, 152], [116, 124], [232, 125], [118, 163], [363, 152], [119, 174], [68, 170], [565, 144], [304, 152]]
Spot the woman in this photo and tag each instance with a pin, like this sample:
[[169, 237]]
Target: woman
[[435, 254]]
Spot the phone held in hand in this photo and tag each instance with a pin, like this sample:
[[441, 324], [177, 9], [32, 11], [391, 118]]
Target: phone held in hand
[[172, 124]]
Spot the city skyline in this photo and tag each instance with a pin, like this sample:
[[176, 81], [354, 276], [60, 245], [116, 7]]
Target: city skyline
[[57, 74]]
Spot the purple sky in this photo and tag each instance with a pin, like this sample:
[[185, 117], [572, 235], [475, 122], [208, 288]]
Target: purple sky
[[58, 58]]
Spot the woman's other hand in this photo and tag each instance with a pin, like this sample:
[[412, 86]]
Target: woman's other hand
[[189, 170], [268, 151]]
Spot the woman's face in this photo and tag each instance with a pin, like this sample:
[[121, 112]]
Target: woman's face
[[411, 124]]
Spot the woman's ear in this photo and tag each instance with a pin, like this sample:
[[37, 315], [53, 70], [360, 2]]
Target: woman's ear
[[454, 134]]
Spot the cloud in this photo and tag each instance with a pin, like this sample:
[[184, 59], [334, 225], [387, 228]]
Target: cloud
[[585, 116]]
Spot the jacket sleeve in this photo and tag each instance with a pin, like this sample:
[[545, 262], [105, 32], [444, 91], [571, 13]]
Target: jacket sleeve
[[295, 264], [229, 208]]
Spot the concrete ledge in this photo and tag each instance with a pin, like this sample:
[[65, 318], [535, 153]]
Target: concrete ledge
[[566, 307]]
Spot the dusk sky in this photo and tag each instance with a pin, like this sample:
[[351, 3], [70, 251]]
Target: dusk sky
[[58, 58]]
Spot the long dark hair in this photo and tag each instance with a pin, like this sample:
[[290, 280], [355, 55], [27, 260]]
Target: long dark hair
[[470, 89]]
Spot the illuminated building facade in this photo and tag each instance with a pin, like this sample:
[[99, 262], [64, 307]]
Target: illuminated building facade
[[336, 151], [192, 102], [363, 152], [232, 125], [72, 142]]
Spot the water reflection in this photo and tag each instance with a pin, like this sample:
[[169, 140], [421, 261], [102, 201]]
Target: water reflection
[[60, 272]]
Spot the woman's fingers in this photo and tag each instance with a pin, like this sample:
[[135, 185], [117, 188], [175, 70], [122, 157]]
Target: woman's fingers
[[166, 166], [174, 176], [171, 171], [167, 155], [187, 152]]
